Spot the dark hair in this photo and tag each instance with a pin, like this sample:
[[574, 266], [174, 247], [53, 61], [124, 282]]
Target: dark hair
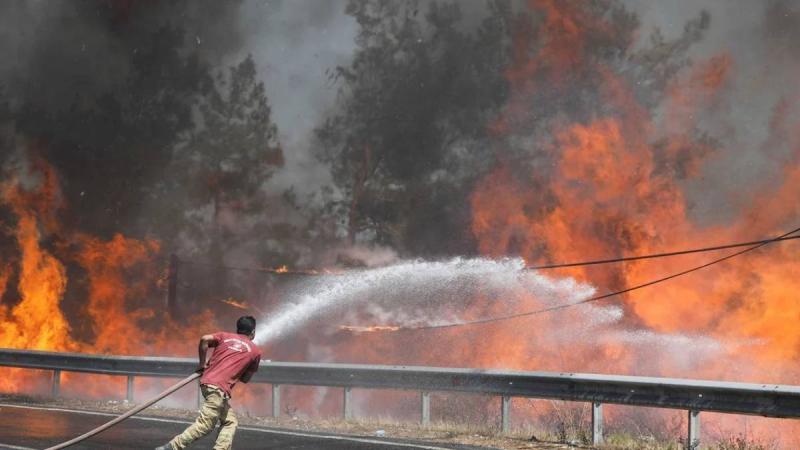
[[245, 325]]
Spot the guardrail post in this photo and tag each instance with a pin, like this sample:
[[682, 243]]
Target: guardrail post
[[693, 441], [426, 408], [348, 403], [505, 414], [56, 390], [597, 423], [276, 400], [129, 393]]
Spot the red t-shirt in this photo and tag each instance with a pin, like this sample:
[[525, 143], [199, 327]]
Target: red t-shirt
[[233, 356]]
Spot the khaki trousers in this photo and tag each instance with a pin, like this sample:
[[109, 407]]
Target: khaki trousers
[[215, 408]]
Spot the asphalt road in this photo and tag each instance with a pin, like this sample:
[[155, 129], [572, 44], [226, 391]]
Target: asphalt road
[[25, 428]]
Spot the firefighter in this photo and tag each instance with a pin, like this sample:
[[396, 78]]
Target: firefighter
[[234, 358]]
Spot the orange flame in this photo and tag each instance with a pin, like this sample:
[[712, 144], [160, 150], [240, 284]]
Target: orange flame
[[121, 314], [36, 321], [236, 304]]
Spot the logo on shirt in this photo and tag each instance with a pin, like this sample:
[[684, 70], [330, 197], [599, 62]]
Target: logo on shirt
[[237, 345]]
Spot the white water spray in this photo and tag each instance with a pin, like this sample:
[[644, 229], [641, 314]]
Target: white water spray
[[408, 288]]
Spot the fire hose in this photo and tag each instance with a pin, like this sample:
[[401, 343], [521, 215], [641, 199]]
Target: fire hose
[[128, 414]]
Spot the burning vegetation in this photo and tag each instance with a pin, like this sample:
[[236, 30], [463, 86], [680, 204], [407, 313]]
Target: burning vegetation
[[544, 130], [121, 312]]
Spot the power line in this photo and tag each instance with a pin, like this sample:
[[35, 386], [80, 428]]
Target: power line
[[598, 297], [660, 255], [284, 270]]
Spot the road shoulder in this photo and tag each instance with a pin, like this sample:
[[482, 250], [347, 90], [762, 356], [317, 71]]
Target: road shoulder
[[358, 431]]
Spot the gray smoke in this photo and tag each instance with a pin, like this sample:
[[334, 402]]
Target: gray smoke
[[296, 44], [761, 39]]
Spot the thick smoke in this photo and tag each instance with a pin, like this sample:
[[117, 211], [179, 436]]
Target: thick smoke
[[108, 88], [82, 47], [55, 50]]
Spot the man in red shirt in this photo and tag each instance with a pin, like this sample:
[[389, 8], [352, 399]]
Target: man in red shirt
[[234, 358]]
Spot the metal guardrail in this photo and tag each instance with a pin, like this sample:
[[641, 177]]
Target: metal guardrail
[[691, 395]]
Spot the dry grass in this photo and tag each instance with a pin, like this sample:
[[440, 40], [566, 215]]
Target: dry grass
[[742, 442]]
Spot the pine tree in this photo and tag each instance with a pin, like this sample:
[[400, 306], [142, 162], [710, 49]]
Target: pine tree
[[228, 160]]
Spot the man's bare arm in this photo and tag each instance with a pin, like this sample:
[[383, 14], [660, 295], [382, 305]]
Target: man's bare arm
[[202, 349]]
